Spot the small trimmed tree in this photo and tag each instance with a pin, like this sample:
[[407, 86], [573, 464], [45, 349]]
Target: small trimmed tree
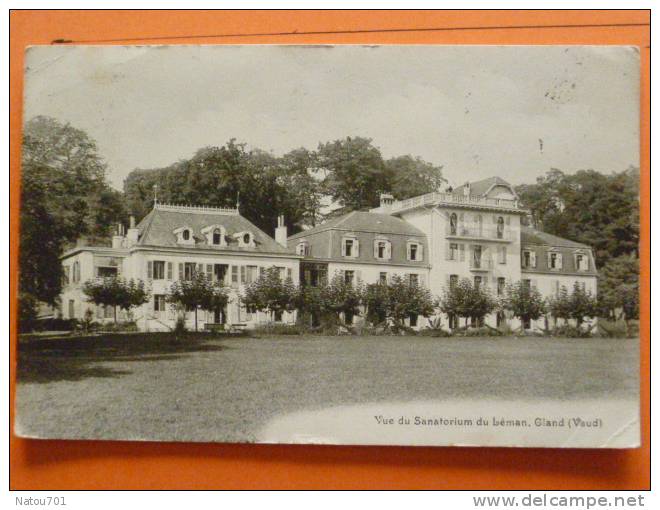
[[524, 302], [464, 299], [559, 306], [376, 300], [407, 299], [116, 292], [199, 292], [270, 293], [340, 296], [582, 304]]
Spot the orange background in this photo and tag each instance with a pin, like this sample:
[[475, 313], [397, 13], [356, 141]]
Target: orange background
[[39, 464]]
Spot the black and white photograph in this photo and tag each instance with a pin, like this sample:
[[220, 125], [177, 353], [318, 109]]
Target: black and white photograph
[[330, 244]]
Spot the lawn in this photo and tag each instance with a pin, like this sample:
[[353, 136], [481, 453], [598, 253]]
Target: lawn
[[209, 388]]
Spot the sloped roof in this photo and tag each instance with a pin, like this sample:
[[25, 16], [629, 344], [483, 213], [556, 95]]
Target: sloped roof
[[363, 221], [529, 235], [156, 228], [480, 188]]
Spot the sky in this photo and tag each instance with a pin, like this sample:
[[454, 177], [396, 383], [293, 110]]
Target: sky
[[477, 111]]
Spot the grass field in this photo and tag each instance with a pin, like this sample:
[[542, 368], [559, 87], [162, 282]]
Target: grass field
[[206, 388]]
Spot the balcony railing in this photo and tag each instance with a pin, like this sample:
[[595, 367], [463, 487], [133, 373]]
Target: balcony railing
[[482, 264], [436, 197], [473, 231]]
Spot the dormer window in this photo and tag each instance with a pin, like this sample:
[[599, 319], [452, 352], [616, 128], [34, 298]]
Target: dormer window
[[184, 235], [350, 247], [302, 248], [555, 260], [215, 235], [581, 262], [415, 251], [382, 249], [245, 239]]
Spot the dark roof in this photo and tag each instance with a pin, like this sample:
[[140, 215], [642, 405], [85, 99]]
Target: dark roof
[[156, 228], [480, 188], [363, 221], [529, 235]]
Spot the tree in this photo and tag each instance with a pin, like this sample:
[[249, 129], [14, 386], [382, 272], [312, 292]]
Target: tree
[[593, 208], [267, 186], [559, 306], [582, 304], [411, 177], [377, 302], [355, 174], [270, 293], [408, 299], [116, 292], [618, 288], [340, 296], [199, 292], [524, 302], [64, 196], [464, 299]]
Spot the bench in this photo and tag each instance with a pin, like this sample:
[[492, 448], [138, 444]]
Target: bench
[[236, 328]]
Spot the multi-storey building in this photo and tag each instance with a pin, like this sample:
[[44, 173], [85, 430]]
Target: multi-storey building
[[172, 243], [434, 240]]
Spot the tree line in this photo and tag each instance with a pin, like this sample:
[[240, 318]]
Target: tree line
[[385, 304]]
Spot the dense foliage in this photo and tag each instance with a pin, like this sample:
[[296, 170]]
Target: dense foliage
[[198, 293], [524, 302], [116, 292], [468, 301], [270, 293]]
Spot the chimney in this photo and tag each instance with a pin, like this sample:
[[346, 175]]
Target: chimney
[[118, 239], [132, 233], [281, 232], [386, 201]]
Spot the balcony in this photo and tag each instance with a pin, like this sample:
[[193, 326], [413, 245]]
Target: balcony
[[453, 199], [483, 233], [483, 264]]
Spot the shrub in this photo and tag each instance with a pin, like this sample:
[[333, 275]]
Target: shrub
[[180, 325], [281, 329], [435, 332], [482, 331], [118, 327], [571, 331], [617, 329]]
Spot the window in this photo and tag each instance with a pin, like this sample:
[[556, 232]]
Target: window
[[414, 279], [529, 259], [72, 309], [501, 283], [349, 277], [159, 270], [476, 256], [479, 221], [527, 324], [234, 276], [581, 262], [382, 278], [554, 260], [453, 224], [302, 248], [453, 251], [278, 316], [413, 320], [188, 270], [106, 272], [501, 254], [415, 251], [527, 284], [159, 303], [251, 274], [186, 235], [477, 282], [246, 238], [500, 227], [65, 275], [220, 272], [499, 319], [348, 247], [76, 272], [217, 236], [381, 250], [453, 280]]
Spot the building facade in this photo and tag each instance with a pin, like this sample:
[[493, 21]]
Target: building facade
[[434, 240], [172, 243]]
